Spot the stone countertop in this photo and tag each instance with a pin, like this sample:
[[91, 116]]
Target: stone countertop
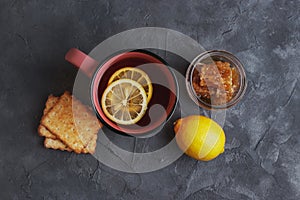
[[262, 152]]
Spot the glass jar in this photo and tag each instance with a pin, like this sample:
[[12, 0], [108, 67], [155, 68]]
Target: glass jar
[[212, 57]]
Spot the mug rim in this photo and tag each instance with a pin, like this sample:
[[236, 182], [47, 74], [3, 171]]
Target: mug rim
[[94, 94]]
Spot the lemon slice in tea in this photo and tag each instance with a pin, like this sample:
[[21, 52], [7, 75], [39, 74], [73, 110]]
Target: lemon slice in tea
[[124, 101], [135, 74]]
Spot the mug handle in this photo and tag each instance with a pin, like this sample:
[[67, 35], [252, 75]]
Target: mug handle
[[82, 61]]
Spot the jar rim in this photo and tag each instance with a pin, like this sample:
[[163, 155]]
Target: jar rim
[[227, 56]]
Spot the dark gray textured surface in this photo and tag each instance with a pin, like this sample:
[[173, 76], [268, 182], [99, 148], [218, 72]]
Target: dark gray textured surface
[[262, 157]]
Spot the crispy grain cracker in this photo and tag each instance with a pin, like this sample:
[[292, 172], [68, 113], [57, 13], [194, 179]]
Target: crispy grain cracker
[[51, 141], [56, 144], [59, 121], [43, 131], [91, 147], [86, 124], [51, 101]]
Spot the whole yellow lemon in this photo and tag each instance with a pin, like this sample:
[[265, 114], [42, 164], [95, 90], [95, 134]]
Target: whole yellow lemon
[[199, 137]]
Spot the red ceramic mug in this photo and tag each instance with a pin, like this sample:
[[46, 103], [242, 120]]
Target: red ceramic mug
[[165, 90]]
